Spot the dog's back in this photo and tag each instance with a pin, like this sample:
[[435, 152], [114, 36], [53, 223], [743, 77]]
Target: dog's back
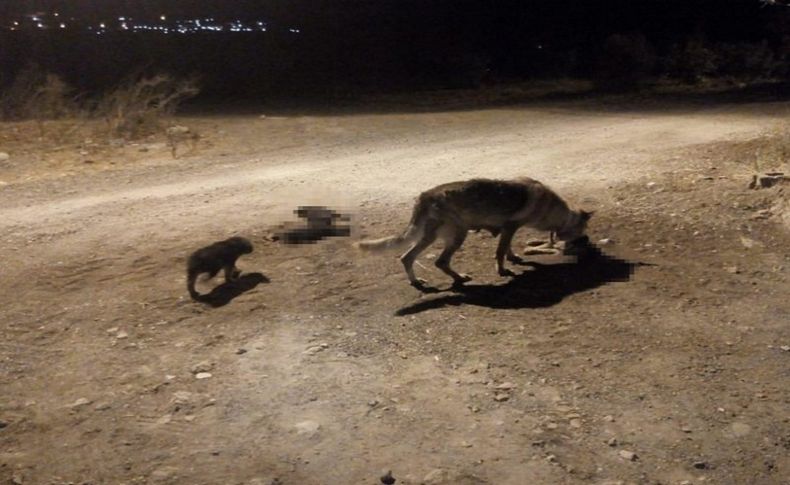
[[490, 204]]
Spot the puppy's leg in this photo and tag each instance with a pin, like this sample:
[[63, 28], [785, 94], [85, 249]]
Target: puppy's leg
[[452, 242], [503, 249], [231, 272], [408, 258], [191, 278]]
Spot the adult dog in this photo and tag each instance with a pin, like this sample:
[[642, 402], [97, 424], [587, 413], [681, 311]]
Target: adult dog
[[450, 211]]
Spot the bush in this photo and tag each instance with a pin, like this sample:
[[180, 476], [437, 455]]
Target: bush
[[35, 94], [625, 62], [135, 108], [691, 61], [749, 60]]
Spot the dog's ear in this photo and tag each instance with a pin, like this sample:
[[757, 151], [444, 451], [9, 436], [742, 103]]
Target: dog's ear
[[586, 215]]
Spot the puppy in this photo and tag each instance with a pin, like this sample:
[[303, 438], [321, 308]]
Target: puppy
[[221, 255]]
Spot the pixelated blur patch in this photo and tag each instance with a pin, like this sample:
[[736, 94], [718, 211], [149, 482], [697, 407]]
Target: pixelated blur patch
[[315, 223]]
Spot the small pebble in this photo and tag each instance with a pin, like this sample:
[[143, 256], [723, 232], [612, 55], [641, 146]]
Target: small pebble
[[202, 375], [314, 349], [628, 455], [307, 427], [80, 402], [202, 367]]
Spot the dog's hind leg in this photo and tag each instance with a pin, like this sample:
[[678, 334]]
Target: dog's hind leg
[[410, 256], [503, 249], [510, 255], [452, 242]]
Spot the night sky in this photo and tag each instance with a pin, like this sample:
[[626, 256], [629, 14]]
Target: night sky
[[722, 17], [382, 42]]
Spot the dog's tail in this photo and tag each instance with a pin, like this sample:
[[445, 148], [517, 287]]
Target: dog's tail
[[423, 210]]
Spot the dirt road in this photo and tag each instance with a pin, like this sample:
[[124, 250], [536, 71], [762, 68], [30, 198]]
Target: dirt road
[[664, 361]]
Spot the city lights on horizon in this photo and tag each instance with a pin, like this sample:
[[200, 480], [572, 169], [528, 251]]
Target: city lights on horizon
[[164, 25]]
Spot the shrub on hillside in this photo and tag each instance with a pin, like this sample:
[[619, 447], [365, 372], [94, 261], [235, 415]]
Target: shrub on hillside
[[691, 61], [748, 60], [135, 108], [36, 94]]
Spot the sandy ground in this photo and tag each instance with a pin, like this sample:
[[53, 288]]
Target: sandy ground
[[665, 360]]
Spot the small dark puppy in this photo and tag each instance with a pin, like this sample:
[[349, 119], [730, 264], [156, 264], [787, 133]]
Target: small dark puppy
[[211, 259]]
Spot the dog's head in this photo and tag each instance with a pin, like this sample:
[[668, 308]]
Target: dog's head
[[576, 228], [241, 245]]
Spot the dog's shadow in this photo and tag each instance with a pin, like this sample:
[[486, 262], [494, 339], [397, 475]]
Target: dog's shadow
[[227, 291], [541, 286]]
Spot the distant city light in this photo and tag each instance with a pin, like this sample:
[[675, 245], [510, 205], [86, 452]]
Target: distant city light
[[162, 17], [62, 26]]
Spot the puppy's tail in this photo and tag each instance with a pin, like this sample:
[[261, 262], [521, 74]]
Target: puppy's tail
[[423, 210]]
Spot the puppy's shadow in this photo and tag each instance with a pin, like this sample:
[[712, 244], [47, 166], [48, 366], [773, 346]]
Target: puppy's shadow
[[227, 291], [542, 285]]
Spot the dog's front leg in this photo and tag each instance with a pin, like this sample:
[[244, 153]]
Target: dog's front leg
[[503, 249]]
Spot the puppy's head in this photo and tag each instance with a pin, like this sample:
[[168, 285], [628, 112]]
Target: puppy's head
[[240, 244]]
